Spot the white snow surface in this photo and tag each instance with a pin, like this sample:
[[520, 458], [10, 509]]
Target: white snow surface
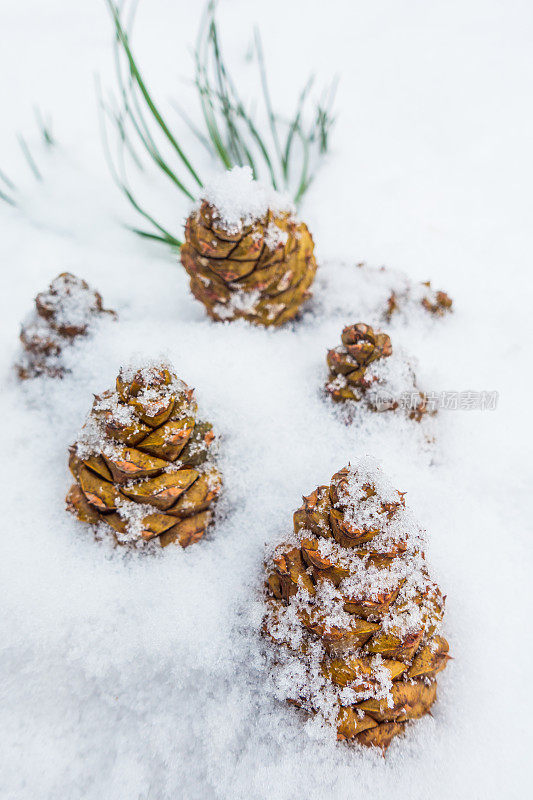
[[135, 676]]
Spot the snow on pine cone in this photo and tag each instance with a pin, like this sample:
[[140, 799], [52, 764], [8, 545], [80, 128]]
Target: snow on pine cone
[[353, 616], [246, 254], [143, 462], [64, 312], [363, 368]]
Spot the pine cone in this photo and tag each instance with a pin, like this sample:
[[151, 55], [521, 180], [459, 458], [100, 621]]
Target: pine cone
[[351, 376], [65, 311], [142, 462], [259, 269], [353, 612], [437, 303]]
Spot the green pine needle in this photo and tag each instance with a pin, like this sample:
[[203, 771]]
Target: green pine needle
[[286, 152], [45, 128], [29, 158], [7, 198]]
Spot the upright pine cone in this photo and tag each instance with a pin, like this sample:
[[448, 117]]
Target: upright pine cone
[[246, 255], [142, 463], [353, 611], [65, 311], [361, 369]]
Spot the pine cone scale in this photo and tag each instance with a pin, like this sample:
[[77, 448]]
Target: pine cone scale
[[350, 724], [127, 464], [168, 441], [187, 531], [381, 736]]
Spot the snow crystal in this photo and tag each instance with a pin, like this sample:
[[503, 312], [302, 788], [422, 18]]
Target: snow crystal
[[133, 514], [239, 301], [274, 237], [240, 200]]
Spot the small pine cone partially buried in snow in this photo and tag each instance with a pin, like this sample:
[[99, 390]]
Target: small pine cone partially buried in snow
[[363, 369], [352, 613], [437, 303], [64, 312], [143, 462], [246, 254]]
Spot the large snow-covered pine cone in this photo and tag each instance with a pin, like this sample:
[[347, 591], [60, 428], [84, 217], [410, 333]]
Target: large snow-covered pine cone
[[143, 461], [246, 254], [353, 612], [65, 311], [363, 369]]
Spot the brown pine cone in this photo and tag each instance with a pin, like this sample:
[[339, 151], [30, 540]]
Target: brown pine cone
[[143, 463], [352, 611], [259, 268], [361, 370]]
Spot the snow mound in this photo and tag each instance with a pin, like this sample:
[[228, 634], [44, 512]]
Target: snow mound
[[380, 294]]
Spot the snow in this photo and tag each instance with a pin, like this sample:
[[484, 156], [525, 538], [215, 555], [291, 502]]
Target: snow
[[394, 379], [238, 301], [239, 201], [137, 675], [274, 237]]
